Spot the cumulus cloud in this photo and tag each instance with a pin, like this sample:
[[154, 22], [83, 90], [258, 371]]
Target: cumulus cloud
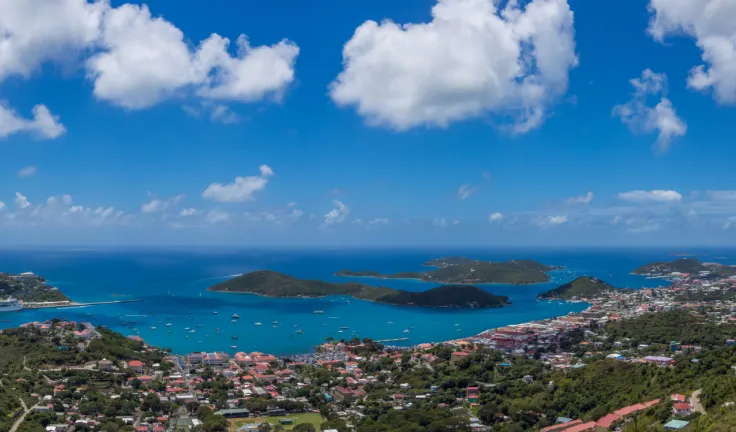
[[146, 59], [711, 23], [43, 124], [338, 213], [473, 58], [495, 217], [135, 59], [550, 221], [581, 200], [60, 210], [640, 117], [662, 196], [21, 200], [216, 216], [2, 206], [28, 171], [157, 205], [242, 189], [465, 191]]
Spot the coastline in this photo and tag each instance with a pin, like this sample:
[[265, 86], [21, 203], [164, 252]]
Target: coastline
[[442, 282]]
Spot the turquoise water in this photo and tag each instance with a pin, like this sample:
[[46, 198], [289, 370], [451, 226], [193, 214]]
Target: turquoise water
[[173, 284]]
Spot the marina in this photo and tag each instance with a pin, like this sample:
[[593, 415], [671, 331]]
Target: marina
[[66, 304]]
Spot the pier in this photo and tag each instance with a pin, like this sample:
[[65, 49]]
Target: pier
[[59, 305], [392, 340]]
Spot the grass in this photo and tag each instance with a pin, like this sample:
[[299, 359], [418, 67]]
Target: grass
[[312, 418]]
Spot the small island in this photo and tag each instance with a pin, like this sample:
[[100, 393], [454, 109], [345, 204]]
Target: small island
[[582, 287], [685, 265], [28, 287], [274, 284], [460, 270]]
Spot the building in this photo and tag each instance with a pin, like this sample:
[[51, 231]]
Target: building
[[136, 366], [105, 365], [234, 413], [681, 409], [659, 360], [472, 393], [458, 355], [676, 424]]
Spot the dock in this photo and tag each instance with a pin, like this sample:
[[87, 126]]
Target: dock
[[392, 340], [59, 305]]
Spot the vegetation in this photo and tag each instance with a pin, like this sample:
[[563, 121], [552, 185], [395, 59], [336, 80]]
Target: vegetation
[[312, 419], [29, 289], [582, 287], [685, 265], [275, 284], [456, 270]]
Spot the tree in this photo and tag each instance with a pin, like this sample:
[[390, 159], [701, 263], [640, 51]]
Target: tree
[[304, 427]]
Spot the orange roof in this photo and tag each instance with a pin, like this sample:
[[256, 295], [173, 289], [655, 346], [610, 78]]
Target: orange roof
[[607, 420], [582, 427], [135, 363], [561, 426]]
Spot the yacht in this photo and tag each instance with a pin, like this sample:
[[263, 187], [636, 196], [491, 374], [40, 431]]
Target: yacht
[[233, 337], [344, 328], [299, 331], [234, 346], [214, 312], [406, 331], [318, 311], [275, 323], [153, 328], [236, 316], [258, 324]]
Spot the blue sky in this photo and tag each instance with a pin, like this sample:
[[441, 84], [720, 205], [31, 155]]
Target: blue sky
[[458, 122]]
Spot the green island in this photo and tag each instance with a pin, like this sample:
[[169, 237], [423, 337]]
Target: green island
[[29, 288], [460, 270], [685, 265], [582, 287], [274, 284]]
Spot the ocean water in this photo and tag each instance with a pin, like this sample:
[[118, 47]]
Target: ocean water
[[171, 285]]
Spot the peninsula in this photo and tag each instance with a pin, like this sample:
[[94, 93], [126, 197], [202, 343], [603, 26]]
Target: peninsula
[[29, 287], [685, 265], [582, 287], [274, 284], [460, 270]]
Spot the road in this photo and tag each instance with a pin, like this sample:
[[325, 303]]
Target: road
[[26, 410], [695, 402]]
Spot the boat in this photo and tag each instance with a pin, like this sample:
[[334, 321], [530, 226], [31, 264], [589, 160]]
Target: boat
[[234, 346], [214, 312], [236, 316], [406, 331], [170, 331], [459, 329], [192, 331], [324, 325], [339, 331], [344, 327], [258, 324], [168, 324], [233, 337], [153, 328], [275, 323], [318, 311], [299, 331], [234, 320], [390, 322], [186, 328], [199, 325], [275, 326]]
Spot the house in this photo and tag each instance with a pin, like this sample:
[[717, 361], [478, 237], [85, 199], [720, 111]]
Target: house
[[105, 365], [681, 409], [234, 413], [342, 394], [678, 398], [676, 424], [562, 426], [458, 355], [659, 360], [472, 393], [136, 366]]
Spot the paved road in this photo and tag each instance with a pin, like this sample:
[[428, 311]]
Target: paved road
[[695, 402], [26, 410]]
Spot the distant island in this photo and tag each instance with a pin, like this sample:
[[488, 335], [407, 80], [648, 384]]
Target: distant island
[[274, 284], [582, 287], [685, 265], [461, 270], [28, 287]]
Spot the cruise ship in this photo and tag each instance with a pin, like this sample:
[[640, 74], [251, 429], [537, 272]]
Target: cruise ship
[[10, 304]]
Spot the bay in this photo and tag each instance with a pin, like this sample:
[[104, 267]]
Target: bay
[[172, 283]]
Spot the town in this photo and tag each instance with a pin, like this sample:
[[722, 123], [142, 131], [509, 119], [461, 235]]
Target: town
[[666, 355]]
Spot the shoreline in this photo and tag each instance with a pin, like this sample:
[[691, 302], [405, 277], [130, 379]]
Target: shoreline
[[441, 282]]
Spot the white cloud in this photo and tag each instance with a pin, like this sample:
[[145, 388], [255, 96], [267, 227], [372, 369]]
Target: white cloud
[[2, 206], [556, 220], [439, 222], [473, 58], [711, 23], [43, 124], [651, 196], [146, 59], [33, 32], [640, 117], [189, 212], [21, 200], [28, 171], [337, 215], [378, 221], [157, 205], [223, 114], [216, 216], [465, 191], [495, 217], [242, 189], [581, 200], [722, 195]]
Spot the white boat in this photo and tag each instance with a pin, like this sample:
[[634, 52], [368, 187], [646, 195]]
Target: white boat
[[168, 324], [318, 311], [299, 331], [215, 312], [192, 331], [234, 346], [258, 324], [186, 328], [339, 331], [10, 304], [236, 316], [275, 323], [406, 331], [153, 328]]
